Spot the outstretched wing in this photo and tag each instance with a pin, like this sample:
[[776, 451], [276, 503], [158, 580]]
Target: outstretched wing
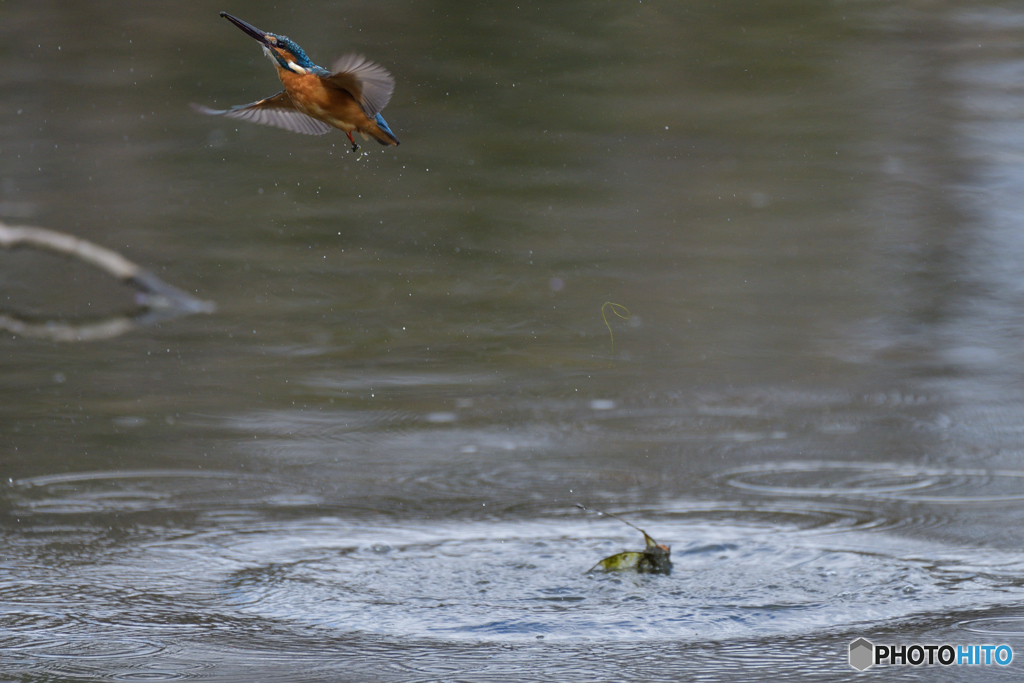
[[278, 111], [368, 82]]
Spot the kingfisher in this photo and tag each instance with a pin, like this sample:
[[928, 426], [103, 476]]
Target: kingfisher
[[350, 97]]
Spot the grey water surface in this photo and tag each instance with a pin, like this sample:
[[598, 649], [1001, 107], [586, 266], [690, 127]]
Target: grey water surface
[[365, 464]]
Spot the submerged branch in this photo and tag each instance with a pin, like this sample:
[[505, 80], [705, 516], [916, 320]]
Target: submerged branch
[[160, 300]]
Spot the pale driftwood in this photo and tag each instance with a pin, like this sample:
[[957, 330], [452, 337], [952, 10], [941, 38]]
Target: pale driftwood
[[62, 243], [161, 299]]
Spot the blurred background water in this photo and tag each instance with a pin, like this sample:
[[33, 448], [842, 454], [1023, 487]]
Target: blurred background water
[[363, 466]]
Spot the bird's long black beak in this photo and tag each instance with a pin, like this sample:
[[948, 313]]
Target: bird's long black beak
[[247, 27]]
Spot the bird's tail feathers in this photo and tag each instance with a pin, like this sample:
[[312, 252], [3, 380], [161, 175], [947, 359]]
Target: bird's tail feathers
[[382, 132]]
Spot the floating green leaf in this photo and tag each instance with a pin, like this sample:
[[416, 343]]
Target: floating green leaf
[[654, 559]]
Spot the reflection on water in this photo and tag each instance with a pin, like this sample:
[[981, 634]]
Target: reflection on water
[[369, 456]]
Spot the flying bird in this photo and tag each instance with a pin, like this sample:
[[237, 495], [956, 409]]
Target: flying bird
[[350, 97]]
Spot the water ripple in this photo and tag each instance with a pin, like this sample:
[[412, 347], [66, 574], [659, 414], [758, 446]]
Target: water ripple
[[147, 490], [134, 602], [733, 578], [909, 483], [1004, 627]]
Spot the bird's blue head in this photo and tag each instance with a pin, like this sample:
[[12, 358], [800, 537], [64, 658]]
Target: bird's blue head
[[281, 50]]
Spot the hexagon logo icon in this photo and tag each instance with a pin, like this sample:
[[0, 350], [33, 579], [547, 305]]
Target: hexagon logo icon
[[862, 652]]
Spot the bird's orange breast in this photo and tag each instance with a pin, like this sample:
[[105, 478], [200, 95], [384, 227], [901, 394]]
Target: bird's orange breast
[[330, 105]]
